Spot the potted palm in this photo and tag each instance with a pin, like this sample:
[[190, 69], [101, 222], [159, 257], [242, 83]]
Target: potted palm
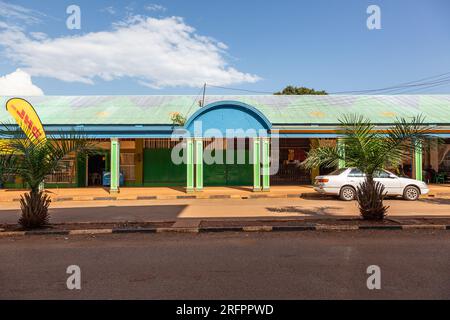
[[370, 150], [33, 161]]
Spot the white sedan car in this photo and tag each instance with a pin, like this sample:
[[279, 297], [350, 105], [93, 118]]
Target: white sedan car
[[343, 183]]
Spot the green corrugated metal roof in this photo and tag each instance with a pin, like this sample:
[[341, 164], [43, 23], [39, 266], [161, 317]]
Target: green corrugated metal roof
[[285, 110]]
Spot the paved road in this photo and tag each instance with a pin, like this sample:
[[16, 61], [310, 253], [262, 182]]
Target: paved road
[[128, 210], [293, 265]]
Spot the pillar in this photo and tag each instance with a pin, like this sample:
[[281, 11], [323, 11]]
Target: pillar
[[434, 154], [190, 165], [265, 164], [115, 165], [417, 161], [256, 165], [316, 170], [198, 164], [341, 150]]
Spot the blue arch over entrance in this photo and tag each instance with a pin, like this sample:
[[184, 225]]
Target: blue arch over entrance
[[227, 115]]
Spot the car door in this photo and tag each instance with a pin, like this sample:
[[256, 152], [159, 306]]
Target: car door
[[390, 181], [355, 177]]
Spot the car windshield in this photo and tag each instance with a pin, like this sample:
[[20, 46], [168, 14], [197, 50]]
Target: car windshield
[[337, 172]]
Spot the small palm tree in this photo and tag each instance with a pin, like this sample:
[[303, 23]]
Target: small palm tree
[[7, 163], [33, 161], [371, 150]]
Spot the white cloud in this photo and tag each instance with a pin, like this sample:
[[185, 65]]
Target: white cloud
[[155, 7], [18, 83], [109, 10], [155, 52], [15, 12]]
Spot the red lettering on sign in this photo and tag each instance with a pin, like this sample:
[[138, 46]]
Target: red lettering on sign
[[36, 132], [21, 114], [28, 122]]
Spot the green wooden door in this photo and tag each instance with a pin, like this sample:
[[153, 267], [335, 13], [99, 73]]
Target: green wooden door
[[228, 174], [215, 174], [240, 174], [159, 170]]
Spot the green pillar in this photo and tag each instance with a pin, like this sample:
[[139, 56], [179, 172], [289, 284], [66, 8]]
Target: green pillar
[[198, 164], [115, 165], [256, 165], [418, 161], [190, 165], [341, 150], [265, 164]]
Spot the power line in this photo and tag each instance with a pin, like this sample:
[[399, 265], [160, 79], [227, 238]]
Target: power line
[[195, 100], [238, 89], [438, 79], [427, 87], [398, 86]]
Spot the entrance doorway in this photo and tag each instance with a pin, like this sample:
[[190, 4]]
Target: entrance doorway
[[231, 165], [96, 167], [292, 153]]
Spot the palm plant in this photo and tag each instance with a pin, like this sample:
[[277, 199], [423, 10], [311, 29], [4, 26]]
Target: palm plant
[[33, 161], [371, 150], [7, 164]]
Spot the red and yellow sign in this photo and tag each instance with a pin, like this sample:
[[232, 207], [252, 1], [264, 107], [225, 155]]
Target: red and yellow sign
[[27, 118]]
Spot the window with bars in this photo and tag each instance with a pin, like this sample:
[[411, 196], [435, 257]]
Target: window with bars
[[64, 174], [161, 143]]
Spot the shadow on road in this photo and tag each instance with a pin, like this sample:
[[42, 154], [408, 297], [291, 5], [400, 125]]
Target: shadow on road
[[319, 211]]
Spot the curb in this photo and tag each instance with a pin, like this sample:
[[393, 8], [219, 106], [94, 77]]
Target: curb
[[318, 227], [304, 195]]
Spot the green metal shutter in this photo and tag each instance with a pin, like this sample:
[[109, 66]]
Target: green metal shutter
[[159, 170]]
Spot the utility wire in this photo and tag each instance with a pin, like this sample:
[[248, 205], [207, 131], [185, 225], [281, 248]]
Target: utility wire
[[238, 89], [366, 95], [195, 100], [398, 86]]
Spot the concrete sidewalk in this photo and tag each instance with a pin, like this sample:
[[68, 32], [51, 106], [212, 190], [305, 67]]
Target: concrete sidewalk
[[163, 193], [167, 193], [190, 212]]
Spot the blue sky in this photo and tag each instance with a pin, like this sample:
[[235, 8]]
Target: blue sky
[[255, 45]]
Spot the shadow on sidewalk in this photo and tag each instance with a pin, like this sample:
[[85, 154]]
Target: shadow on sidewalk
[[436, 201], [320, 211], [104, 214]]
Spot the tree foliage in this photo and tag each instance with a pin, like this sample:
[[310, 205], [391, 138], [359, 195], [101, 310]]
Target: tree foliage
[[371, 150], [292, 90], [33, 161]]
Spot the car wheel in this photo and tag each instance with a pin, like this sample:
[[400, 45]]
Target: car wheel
[[411, 193], [347, 193]]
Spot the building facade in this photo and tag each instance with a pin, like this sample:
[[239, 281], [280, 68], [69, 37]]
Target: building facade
[[245, 140]]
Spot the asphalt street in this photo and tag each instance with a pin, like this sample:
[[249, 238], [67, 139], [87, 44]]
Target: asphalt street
[[290, 265]]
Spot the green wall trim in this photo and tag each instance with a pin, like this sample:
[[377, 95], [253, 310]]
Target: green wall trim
[[418, 161], [115, 165], [47, 185], [256, 165], [266, 164], [190, 165], [198, 164]]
